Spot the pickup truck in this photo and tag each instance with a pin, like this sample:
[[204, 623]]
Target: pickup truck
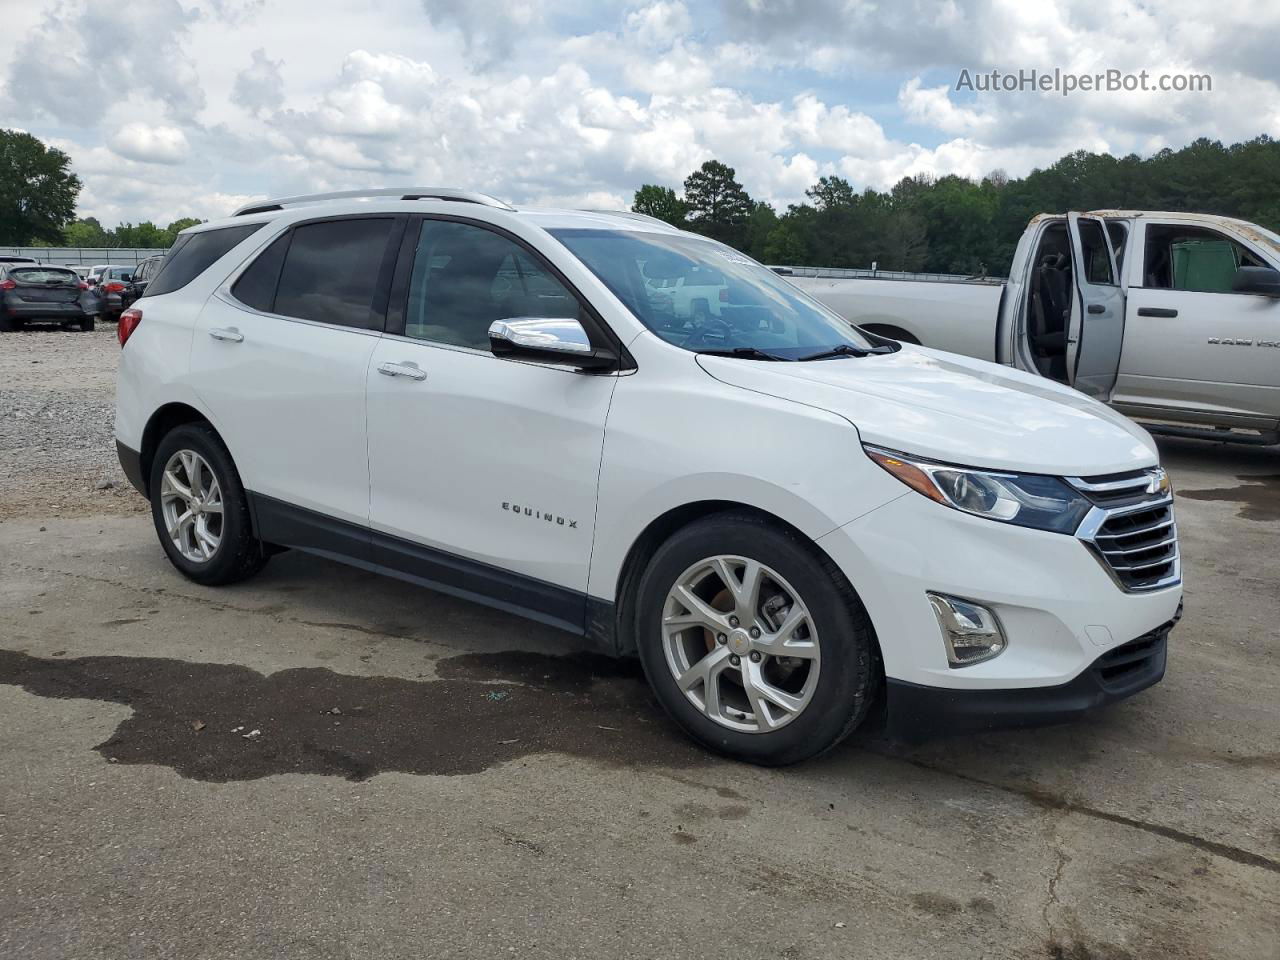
[[1171, 318]]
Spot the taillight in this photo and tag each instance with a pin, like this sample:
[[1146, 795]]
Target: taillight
[[724, 294], [7, 285], [83, 285], [129, 321], [113, 287]]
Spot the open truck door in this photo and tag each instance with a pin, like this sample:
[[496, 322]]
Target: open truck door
[[1096, 329]]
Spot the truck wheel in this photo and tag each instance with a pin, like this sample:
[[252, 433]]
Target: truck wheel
[[200, 510], [754, 642]]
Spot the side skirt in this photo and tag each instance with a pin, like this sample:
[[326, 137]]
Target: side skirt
[[296, 527]]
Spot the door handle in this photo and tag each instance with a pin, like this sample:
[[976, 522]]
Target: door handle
[[1097, 308], [410, 370], [1157, 312], [229, 334]]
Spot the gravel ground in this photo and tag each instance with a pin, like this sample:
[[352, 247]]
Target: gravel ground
[[57, 446]]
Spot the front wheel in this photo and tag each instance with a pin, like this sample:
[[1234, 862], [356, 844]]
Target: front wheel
[[754, 642], [200, 510]]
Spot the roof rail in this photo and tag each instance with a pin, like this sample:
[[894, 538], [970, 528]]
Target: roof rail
[[399, 193], [632, 215]]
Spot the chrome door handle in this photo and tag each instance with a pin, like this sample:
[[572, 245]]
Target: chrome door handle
[[412, 371], [229, 334]]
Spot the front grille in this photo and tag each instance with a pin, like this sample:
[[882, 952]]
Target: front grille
[[1131, 530], [1133, 663]]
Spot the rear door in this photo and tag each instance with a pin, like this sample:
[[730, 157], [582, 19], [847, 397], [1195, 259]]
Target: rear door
[[484, 470], [1193, 346], [1096, 331], [279, 357]]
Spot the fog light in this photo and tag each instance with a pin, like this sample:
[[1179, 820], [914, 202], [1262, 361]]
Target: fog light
[[970, 631]]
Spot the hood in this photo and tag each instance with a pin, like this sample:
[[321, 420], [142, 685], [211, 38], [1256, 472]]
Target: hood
[[946, 407]]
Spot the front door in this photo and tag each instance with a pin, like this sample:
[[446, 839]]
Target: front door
[[1192, 345], [1096, 329], [483, 470]]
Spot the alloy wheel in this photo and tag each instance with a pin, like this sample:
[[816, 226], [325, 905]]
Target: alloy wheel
[[191, 504], [741, 644]]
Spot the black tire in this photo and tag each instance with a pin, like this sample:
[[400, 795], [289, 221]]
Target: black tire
[[9, 325], [239, 554], [87, 324], [850, 674]]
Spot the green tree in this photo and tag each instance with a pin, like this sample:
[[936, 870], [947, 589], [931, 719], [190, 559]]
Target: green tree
[[38, 191], [145, 234], [86, 232], [759, 226], [660, 202], [718, 205], [831, 193], [178, 226]]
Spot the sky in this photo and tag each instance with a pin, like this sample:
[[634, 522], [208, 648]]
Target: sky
[[172, 108]]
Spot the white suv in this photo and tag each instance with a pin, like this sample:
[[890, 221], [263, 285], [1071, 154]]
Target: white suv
[[786, 518]]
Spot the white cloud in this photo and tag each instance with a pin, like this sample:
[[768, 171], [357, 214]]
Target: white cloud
[[579, 103], [159, 144], [259, 86]]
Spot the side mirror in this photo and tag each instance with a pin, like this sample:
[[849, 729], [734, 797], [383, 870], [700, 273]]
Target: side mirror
[[1261, 280], [557, 340]]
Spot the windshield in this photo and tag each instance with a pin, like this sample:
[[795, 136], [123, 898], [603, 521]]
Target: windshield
[[704, 296]]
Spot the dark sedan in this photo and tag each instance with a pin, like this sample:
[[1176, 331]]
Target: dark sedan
[[39, 292]]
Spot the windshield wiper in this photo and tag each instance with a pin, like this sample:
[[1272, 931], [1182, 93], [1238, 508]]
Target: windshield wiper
[[848, 350], [746, 353]]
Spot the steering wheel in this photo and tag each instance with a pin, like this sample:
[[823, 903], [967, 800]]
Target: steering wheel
[[703, 333]]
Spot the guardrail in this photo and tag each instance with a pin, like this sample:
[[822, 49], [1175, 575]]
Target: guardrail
[[85, 256]]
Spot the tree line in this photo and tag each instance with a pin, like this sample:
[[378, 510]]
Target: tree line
[[954, 224], [38, 194], [945, 224]]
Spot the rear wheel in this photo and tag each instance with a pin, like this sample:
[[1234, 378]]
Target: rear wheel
[[754, 642], [8, 324], [200, 510], [87, 324]]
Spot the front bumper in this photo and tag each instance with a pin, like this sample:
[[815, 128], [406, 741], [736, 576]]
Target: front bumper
[[1061, 612], [917, 713]]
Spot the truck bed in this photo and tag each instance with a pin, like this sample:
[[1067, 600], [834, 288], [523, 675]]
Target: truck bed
[[951, 313]]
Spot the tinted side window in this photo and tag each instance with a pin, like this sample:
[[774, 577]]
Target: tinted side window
[[194, 253], [331, 271], [256, 287], [465, 277], [1097, 261], [1194, 259]]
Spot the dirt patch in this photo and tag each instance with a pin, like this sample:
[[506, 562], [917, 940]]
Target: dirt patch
[[1259, 497], [220, 722]]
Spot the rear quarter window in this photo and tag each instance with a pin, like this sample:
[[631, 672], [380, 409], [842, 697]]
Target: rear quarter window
[[194, 253]]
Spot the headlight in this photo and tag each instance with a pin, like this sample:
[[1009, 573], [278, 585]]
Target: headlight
[[1027, 499]]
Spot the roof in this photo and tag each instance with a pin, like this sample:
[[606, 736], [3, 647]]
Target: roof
[[436, 200]]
